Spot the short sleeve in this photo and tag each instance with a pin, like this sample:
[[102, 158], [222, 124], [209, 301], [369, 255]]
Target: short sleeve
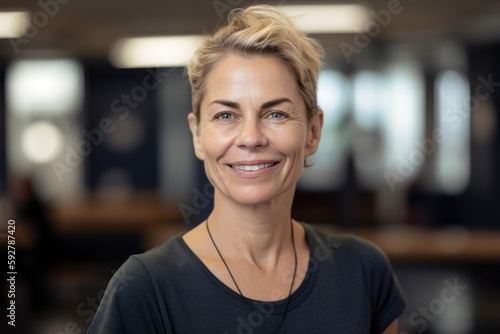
[[387, 298], [129, 304]]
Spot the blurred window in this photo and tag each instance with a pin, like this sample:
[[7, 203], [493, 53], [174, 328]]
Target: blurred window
[[44, 98], [369, 96], [403, 121], [452, 170], [334, 97]]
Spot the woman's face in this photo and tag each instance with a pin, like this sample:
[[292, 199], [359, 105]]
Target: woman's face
[[253, 133]]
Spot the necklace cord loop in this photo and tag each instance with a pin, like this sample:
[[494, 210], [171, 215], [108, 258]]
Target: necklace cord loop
[[238, 288]]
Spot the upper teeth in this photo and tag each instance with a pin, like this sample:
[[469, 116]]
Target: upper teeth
[[252, 167]]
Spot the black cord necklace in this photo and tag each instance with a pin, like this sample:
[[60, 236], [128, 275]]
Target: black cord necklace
[[238, 288]]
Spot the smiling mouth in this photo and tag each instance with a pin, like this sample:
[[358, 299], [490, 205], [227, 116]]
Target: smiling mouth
[[253, 168]]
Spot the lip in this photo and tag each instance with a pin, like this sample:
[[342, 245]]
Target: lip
[[253, 173]]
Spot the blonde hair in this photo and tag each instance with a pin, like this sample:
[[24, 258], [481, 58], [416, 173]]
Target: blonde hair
[[259, 30]]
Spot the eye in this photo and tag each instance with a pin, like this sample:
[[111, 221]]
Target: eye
[[224, 116], [276, 115]]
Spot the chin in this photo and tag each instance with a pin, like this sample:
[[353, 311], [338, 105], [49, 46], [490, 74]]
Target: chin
[[254, 197]]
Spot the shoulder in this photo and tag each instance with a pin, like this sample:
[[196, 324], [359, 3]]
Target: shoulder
[[364, 260], [169, 257], [167, 251], [138, 279], [360, 263], [344, 245], [131, 297], [144, 268]]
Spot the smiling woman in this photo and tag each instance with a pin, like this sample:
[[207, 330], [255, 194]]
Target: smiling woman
[[251, 268], [252, 131]]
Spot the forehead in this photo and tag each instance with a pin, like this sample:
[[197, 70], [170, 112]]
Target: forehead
[[251, 79]]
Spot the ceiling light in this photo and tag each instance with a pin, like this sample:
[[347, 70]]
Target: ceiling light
[[48, 87], [169, 51], [13, 24], [321, 19]]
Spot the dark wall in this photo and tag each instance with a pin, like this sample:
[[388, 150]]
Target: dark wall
[[119, 103], [485, 197]]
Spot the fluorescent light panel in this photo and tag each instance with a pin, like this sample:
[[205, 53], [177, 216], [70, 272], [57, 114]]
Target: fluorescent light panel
[[45, 87], [321, 19], [13, 24], [172, 51], [168, 51]]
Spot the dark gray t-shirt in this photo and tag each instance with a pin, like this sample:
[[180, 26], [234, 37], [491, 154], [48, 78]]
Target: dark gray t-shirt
[[350, 287]]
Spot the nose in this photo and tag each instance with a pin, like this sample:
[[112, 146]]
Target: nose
[[251, 134]]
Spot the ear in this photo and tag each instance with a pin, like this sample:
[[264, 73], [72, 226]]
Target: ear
[[193, 126], [314, 133]]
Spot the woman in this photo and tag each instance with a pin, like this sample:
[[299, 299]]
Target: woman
[[250, 268]]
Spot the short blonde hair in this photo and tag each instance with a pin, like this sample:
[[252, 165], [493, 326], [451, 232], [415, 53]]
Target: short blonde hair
[[259, 30]]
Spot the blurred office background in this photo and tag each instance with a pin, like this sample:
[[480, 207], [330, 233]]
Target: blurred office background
[[96, 159]]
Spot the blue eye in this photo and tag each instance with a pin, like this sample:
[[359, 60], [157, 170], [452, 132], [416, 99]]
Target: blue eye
[[224, 116], [276, 115]]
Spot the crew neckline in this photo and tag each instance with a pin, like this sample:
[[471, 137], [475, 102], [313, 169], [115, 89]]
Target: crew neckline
[[296, 297]]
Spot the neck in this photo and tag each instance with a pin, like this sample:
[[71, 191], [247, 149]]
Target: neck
[[260, 234]]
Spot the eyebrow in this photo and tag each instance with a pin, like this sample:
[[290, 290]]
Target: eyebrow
[[264, 105]]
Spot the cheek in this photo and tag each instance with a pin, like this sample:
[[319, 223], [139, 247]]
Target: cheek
[[215, 144], [293, 138], [290, 141]]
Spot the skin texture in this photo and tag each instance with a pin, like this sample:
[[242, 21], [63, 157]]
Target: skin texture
[[253, 114], [234, 127]]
